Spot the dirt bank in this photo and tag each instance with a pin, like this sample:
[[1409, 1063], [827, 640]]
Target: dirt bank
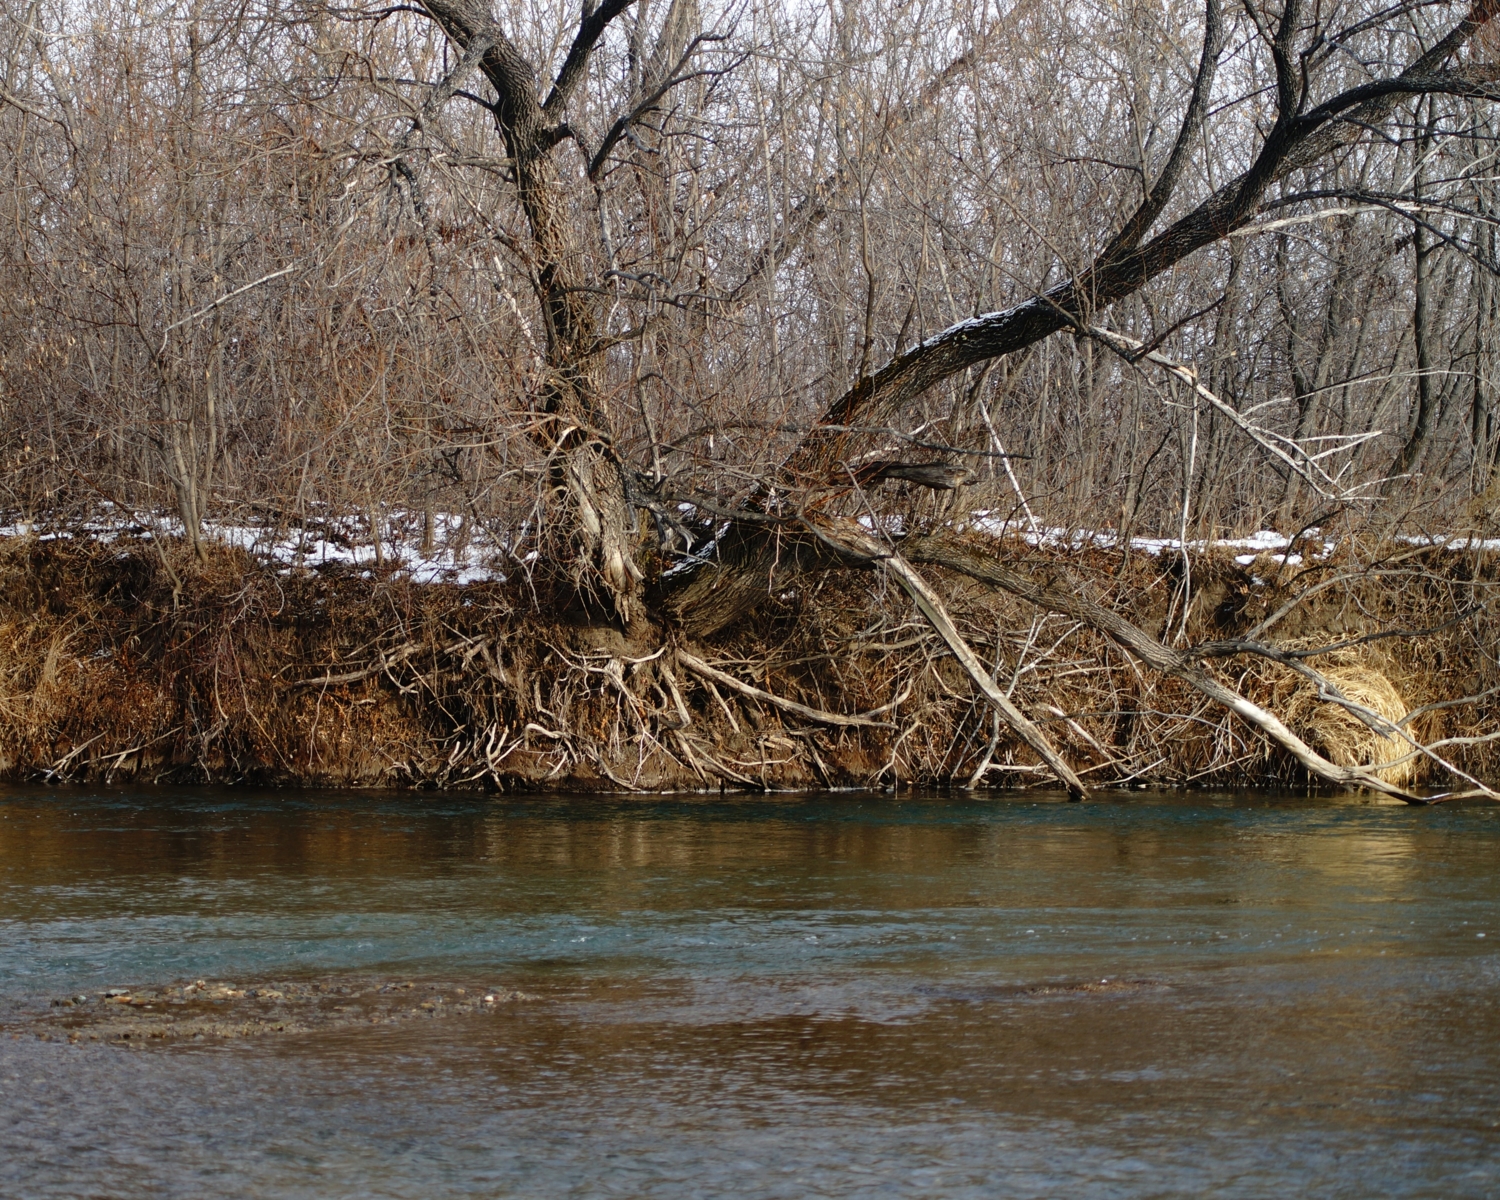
[[120, 662]]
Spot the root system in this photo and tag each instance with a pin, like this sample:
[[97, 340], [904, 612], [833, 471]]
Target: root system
[[119, 663]]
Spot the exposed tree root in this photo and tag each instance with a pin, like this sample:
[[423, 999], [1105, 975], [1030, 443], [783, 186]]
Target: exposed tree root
[[699, 667], [984, 666]]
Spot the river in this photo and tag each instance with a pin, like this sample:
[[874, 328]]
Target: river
[[845, 995]]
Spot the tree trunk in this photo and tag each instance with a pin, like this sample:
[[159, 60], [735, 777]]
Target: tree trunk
[[585, 471], [578, 434], [1409, 457]]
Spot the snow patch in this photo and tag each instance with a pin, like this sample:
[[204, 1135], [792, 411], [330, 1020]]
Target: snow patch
[[972, 324], [1256, 544], [460, 554], [1448, 542]]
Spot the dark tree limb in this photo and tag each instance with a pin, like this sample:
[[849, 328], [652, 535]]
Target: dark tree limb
[[590, 29], [647, 104], [1297, 140], [1160, 192]]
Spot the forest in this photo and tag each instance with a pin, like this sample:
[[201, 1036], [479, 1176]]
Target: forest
[[754, 394]]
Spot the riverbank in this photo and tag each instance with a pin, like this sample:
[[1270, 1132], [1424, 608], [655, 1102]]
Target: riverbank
[[128, 659]]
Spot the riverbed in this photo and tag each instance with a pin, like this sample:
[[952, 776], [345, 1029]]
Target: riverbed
[[289, 994]]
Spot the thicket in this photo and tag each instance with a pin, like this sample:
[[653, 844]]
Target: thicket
[[717, 323]]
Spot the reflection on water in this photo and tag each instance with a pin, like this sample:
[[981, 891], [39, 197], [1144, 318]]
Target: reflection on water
[[821, 995]]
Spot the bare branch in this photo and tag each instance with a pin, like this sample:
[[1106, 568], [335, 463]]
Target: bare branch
[[1294, 143], [1306, 463], [1160, 192], [590, 29], [674, 78], [1072, 602]]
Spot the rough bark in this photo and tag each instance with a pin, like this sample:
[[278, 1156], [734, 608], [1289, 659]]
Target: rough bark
[[577, 430]]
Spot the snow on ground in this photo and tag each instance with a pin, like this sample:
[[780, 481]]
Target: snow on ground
[[459, 554], [452, 559], [463, 552], [1450, 543], [1256, 544]]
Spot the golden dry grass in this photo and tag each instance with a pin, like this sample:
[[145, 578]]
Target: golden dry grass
[[1340, 734]]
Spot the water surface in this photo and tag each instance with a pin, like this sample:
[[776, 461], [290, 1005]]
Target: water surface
[[833, 995]]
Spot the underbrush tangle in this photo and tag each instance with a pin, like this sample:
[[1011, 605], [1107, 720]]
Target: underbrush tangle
[[129, 661]]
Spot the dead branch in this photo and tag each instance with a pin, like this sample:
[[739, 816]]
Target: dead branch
[[851, 540], [944, 552], [699, 667], [1306, 463]]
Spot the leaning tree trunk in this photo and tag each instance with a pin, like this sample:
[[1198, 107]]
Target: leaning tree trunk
[[751, 562]]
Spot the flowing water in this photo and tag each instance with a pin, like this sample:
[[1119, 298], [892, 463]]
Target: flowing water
[[821, 995]]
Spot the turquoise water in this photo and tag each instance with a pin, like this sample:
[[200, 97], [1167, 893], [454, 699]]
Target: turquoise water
[[823, 995]]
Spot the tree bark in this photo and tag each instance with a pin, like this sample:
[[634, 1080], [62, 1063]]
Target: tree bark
[[578, 433]]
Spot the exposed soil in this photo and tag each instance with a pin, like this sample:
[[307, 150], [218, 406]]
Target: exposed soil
[[120, 662]]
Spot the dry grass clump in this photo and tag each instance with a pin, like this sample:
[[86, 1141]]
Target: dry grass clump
[[1340, 733]]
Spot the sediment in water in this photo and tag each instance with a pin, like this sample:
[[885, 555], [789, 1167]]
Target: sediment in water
[[222, 1010]]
